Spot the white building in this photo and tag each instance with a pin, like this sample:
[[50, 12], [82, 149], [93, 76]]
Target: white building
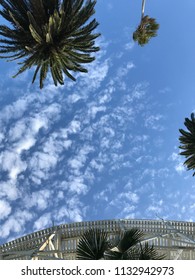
[[174, 238]]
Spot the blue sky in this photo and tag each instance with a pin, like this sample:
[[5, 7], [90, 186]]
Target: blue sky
[[106, 146]]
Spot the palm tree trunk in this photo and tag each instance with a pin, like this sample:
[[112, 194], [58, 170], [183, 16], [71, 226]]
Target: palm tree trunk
[[143, 8]]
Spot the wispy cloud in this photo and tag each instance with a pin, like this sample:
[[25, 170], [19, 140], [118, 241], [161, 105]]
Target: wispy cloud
[[82, 151], [179, 167], [5, 209]]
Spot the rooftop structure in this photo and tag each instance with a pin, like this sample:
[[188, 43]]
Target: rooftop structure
[[174, 238]]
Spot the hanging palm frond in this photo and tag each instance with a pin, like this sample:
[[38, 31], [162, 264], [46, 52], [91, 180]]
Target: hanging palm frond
[[187, 139]]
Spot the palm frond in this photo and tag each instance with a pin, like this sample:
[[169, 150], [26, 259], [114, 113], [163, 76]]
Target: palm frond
[[92, 245], [187, 140], [147, 29], [129, 239], [42, 27], [95, 244], [148, 252]]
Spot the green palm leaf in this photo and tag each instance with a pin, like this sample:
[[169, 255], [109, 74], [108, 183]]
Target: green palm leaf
[[187, 140], [92, 245], [95, 244], [144, 252], [52, 35], [129, 239], [147, 29]]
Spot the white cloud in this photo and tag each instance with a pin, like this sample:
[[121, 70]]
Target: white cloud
[[123, 71], [5, 209], [179, 167], [138, 91], [73, 98], [129, 208], [39, 199], [17, 131], [72, 210], [97, 73], [16, 110], [128, 185], [43, 162], [94, 110], [15, 223], [11, 162], [129, 46], [152, 122], [174, 156], [106, 97], [9, 190], [24, 144], [75, 185], [70, 214], [43, 222], [1, 137], [77, 162], [96, 165], [38, 122], [133, 197], [74, 127], [51, 112], [125, 198], [155, 209]]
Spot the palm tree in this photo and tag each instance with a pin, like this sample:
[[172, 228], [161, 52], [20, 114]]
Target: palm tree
[[92, 245], [51, 35], [187, 139], [147, 28], [95, 244]]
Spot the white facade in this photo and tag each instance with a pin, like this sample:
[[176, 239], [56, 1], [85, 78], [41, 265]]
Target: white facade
[[174, 238]]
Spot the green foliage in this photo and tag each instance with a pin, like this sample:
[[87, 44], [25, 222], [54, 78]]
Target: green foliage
[[51, 35], [94, 244], [187, 139], [146, 30]]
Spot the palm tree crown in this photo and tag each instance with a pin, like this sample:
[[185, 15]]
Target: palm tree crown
[[187, 139], [95, 244], [147, 28], [52, 35]]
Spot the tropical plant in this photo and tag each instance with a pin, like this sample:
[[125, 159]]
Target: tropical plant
[[92, 245], [95, 244], [52, 35], [187, 139], [147, 28]]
